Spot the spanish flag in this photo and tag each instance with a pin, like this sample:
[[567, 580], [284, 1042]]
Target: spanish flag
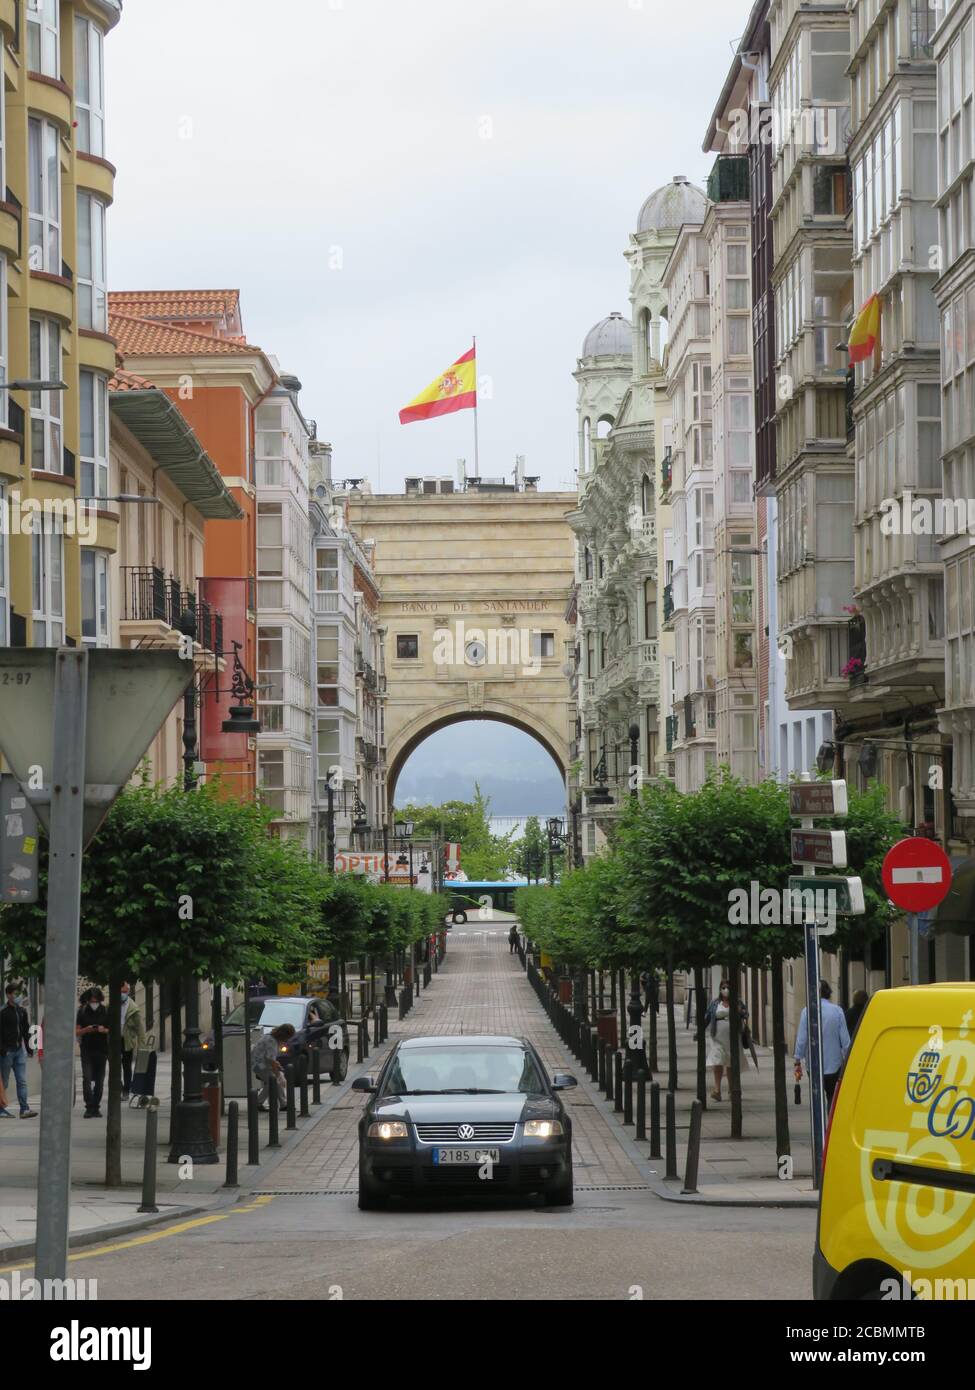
[[454, 389], [866, 331]]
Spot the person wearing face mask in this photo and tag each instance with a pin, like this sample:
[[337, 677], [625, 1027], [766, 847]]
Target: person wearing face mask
[[717, 1022], [132, 1035]]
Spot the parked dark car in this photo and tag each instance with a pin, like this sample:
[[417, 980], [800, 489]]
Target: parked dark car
[[313, 1019], [470, 1114]]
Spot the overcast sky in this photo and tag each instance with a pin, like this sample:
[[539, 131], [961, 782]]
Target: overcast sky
[[382, 179], [509, 766]]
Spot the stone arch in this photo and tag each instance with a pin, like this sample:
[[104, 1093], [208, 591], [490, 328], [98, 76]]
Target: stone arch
[[409, 738]]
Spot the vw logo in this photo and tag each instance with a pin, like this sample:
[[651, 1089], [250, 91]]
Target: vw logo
[[465, 1131]]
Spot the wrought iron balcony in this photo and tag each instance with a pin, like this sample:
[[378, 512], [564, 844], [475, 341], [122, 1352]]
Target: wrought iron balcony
[[144, 594]]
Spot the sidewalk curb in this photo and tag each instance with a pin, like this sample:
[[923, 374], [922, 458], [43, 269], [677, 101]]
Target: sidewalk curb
[[98, 1234], [667, 1193]]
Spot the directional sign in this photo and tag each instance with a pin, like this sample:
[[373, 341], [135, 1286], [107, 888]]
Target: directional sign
[[916, 874], [845, 895], [817, 799], [819, 847]]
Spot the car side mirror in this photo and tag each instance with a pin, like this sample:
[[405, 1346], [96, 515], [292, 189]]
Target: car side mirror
[[365, 1083], [563, 1081]]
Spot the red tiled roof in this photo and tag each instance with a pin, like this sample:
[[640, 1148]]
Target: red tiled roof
[[129, 381], [141, 337], [176, 304]]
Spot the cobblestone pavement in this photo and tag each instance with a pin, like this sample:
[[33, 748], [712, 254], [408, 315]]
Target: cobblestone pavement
[[481, 988]]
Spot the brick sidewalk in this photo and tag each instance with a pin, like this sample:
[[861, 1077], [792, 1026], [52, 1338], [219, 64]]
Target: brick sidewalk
[[480, 988]]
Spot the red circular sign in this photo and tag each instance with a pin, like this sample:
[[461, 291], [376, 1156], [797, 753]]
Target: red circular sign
[[916, 874]]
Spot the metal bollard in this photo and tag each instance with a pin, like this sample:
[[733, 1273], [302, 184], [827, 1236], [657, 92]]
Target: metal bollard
[[593, 1055], [273, 1101], [641, 1106], [303, 1086], [384, 1014], [693, 1148], [291, 1121], [671, 1122], [655, 1119], [253, 1133], [359, 1054], [402, 1003], [608, 1087], [601, 1064], [233, 1111], [617, 1083], [627, 1092], [149, 1159], [365, 1037], [316, 1074], [375, 1028]]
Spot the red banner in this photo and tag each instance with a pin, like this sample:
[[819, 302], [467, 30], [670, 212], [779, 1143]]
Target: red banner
[[228, 597]]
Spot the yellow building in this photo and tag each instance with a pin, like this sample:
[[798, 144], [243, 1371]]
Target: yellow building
[[56, 186]]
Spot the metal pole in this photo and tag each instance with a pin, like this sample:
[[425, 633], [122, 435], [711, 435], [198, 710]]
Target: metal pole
[[671, 1136], [814, 1055], [66, 778], [693, 1148], [148, 1157], [233, 1110]]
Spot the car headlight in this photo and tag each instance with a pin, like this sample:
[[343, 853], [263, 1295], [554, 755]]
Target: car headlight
[[542, 1129], [387, 1129]]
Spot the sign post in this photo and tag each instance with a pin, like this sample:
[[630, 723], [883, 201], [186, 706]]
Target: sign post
[[73, 725]]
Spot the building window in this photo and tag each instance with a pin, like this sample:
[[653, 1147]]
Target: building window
[[48, 588], [650, 609], [94, 599], [45, 196], [543, 645], [329, 753], [587, 563], [270, 778], [4, 574], [92, 271], [270, 555], [407, 646], [326, 571], [43, 37], [646, 496], [328, 666], [270, 667], [45, 406], [93, 391], [89, 87]]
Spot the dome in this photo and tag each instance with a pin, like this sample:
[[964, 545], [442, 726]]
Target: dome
[[671, 206], [610, 337]]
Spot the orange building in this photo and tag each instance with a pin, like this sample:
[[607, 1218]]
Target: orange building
[[191, 344]]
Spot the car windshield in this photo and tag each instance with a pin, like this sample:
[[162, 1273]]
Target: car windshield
[[441, 1070], [270, 1012]]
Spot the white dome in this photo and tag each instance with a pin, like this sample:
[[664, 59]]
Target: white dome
[[610, 337], [671, 206]]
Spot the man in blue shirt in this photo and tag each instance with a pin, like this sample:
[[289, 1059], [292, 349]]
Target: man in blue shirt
[[835, 1040]]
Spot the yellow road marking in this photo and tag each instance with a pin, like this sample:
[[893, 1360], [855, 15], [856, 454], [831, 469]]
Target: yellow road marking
[[180, 1229]]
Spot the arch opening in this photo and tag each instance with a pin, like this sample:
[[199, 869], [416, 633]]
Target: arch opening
[[420, 736]]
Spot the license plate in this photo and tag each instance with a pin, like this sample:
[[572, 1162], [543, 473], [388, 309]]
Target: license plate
[[445, 1157]]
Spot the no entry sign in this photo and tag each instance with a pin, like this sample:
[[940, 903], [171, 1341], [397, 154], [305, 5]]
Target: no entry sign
[[916, 874]]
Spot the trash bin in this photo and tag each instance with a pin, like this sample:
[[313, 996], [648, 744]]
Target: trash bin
[[607, 1027], [211, 1094]]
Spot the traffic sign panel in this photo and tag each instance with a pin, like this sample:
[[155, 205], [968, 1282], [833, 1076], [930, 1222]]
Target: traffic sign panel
[[827, 847], [818, 798], [916, 874]]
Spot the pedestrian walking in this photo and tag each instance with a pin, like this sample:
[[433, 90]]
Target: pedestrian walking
[[651, 990], [855, 1012], [513, 939], [132, 1036], [717, 1022], [835, 1039], [265, 1064], [15, 1049], [91, 1030]]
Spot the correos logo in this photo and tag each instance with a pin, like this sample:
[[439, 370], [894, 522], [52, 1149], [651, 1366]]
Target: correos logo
[[925, 1227]]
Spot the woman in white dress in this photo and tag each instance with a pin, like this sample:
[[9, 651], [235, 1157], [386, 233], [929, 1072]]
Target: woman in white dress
[[718, 1025]]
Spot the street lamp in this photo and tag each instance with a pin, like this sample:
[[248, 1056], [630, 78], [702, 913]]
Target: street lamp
[[556, 841], [360, 826], [600, 797], [241, 719]]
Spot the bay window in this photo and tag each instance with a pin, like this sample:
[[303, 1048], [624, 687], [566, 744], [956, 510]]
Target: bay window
[[44, 158], [270, 555], [43, 37], [270, 778], [3, 338], [89, 86], [93, 391], [48, 588], [328, 666], [94, 599], [92, 270], [4, 580], [270, 669], [329, 753], [45, 406]]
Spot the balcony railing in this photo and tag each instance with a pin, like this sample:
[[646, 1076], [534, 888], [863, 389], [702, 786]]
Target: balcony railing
[[148, 596]]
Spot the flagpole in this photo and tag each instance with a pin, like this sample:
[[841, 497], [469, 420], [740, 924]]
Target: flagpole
[[477, 466]]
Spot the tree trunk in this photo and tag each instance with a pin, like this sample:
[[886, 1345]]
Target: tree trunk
[[782, 1141], [734, 1040], [176, 1053], [671, 1029], [652, 1060], [700, 1009], [113, 1131], [621, 990]]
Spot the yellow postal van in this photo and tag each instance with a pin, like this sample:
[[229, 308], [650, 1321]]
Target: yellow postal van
[[897, 1206]]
